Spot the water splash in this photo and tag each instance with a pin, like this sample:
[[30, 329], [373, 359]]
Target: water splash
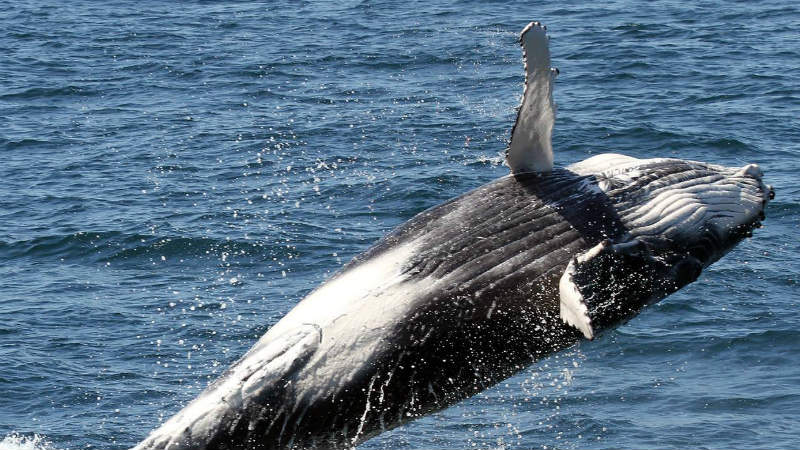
[[16, 441]]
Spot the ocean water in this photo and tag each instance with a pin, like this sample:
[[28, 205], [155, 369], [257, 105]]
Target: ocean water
[[175, 176]]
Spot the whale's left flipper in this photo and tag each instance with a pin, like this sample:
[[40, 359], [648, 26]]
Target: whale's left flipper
[[611, 282], [530, 149]]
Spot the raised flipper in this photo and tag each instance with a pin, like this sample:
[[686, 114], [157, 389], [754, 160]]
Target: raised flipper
[[611, 282], [530, 149]]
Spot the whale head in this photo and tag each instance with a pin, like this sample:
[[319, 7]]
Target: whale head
[[677, 217], [705, 208]]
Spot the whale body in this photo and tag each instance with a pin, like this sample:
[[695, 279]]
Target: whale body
[[474, 290]]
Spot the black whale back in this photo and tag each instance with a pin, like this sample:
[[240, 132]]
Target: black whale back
[[517, 219]]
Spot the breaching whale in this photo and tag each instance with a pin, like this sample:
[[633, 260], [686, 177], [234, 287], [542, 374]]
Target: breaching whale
[[469, 292]]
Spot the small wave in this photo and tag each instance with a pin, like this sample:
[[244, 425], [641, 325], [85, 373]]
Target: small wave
[[727, 144], [16, 441], [644, 29], [170, 168], [116, 246], [24, 143], [45, 93]]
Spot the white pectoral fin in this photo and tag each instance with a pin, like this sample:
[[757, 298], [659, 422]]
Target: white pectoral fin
[[530, 149], [573, 308]]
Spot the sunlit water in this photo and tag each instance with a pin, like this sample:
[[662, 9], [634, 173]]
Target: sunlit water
[[175, 177]]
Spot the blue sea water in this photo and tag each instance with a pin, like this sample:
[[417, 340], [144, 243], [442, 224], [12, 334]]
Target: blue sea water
[[175, 176]]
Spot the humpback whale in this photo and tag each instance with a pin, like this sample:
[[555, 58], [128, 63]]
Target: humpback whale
[[470, 292]]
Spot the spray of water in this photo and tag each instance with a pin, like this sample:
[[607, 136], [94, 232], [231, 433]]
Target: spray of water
[[16, 441]]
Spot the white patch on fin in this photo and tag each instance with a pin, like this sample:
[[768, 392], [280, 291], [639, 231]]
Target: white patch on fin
[[573, 309], [531, 149]]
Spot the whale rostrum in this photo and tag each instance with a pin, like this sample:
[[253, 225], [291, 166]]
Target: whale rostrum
[[474, 290]]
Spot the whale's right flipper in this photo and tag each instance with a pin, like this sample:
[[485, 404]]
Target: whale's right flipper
[[530, 149]]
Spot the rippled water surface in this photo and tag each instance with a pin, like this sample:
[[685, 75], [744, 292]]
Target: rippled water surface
[[176, 176]]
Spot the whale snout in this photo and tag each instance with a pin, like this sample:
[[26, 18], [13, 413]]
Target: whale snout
[[754, 171], [755, 196]]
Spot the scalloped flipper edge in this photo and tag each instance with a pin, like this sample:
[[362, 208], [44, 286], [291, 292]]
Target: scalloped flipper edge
[[530, 148]]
